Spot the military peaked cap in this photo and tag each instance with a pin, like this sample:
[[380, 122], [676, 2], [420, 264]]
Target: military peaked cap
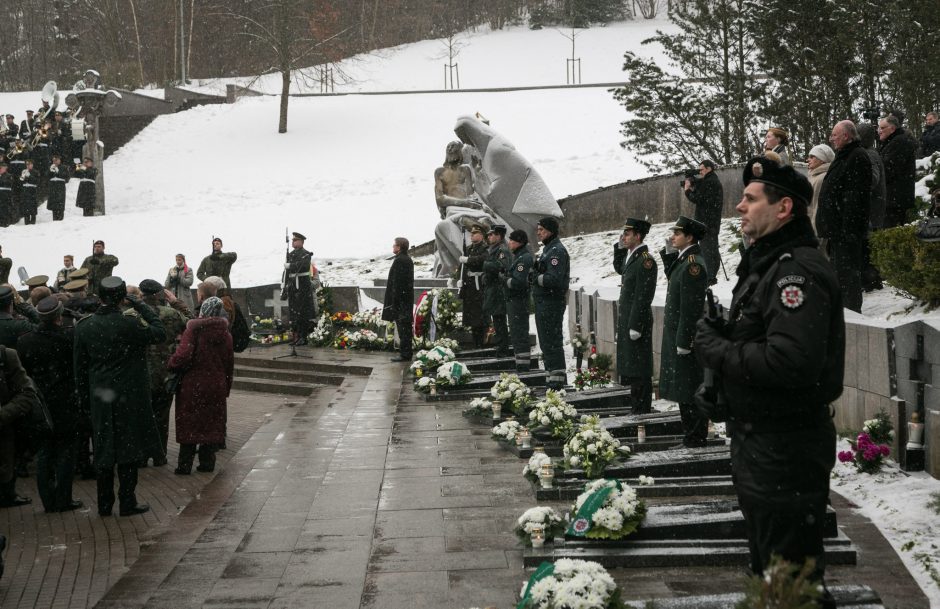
[[640, 226], [78, 273], [499, 229], [37, 280], [49, 306], [691, 227], [784, 178], [299, 236], [75, 285]]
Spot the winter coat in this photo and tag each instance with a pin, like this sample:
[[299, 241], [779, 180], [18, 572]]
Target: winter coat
[[12, 328], [399, 290], [217, 264], [930, 140], [708, 197], [876, 215], [816, 177], [898, 153], [781, 151], [30, 180], [174, 320], [46, 354], [5, 265], [86, 187], [98, 267], [494, 279], [845, 196], [520, 275], [113, 383], [179, 280], [17, 397], [634, 311], [299, 289], [552, 272], [471, 286], [58, 177], [207, 361], [680, 375]]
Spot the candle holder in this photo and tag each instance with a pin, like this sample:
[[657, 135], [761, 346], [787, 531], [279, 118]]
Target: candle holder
[[641, 434], [546, 475], [537, 537], [433, 389], [526, 438], [915, 432], [497, 409], [519, 433]]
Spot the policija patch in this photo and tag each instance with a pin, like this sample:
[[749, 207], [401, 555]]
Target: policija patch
[[554, 261], [520, 268], [792, 296]]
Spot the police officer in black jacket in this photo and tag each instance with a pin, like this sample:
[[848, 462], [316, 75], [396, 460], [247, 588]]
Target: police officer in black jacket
[[780, 359]]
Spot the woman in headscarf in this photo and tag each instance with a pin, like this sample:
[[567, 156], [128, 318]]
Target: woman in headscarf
[[206, 361]]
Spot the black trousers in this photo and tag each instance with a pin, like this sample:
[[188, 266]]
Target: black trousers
[[55, 468], [161, 402], [694, 425], [479, 335], [847, 258], [501, 335], [127, 480], [794, 535], [549, 316], [518, 309], [188, 453], [405, 337], [641, 394]]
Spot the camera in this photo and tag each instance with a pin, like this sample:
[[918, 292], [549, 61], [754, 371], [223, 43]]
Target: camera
[[691, 175], [872, 114]]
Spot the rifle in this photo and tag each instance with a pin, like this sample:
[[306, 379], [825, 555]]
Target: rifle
[[286, 259]]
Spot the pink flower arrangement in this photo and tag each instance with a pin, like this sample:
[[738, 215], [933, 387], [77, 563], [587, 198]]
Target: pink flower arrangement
[[867, 456]]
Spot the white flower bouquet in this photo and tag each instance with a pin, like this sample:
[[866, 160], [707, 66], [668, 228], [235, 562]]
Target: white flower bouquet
[[322, 335], [479, 407], [431, 359], [619, 515], [570, 584], [447, 318], [453, 374], [545, 518], [506, 431], [423, 384], [554, 412], [592, 448], [512, 392], [371, 319], [534, 466]]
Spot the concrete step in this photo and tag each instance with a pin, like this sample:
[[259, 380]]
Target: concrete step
[[304, 365], [288, 374], [262, 385]]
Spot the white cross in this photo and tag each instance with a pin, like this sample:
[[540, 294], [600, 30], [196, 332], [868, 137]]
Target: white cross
[[276, 303]]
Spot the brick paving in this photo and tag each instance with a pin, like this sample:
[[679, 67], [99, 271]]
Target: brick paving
[[362, 495]]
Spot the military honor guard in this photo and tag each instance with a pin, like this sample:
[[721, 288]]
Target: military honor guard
[[217, 264], [471, 285], [30, 205], [87, 176], [518, 280], [58, 177], [99, 265], [298, 289], [6, 195], [552, 274], [679, 373], [638, 270], [494, 288]]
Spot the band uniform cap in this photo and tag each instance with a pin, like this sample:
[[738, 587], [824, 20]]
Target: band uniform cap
[[75, 285], [783, 177], [78, 273], [37, 280], [99, 242], [299, 236], [49, 306], [519, 236], [477, 228], [499, 229], [550, 224], [6, 295], [150, 287], [690, 226], [640, 226]]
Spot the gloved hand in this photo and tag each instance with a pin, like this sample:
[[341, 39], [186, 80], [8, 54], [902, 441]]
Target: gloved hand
[[539, 280], [509, 282], [134, 301], [682, 351], [710, 345], [634, 335], [706, 401], [463, 259], [287, 265]]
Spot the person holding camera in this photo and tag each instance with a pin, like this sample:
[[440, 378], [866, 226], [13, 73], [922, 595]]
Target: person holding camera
[[780, 360], [113, 383], [708, 196]]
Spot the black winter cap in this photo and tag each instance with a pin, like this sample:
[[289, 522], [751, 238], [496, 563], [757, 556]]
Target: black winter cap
[[550, 224], [519, 236], [150, 287]]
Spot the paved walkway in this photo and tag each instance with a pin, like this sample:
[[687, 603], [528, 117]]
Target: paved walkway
[[365, 496]]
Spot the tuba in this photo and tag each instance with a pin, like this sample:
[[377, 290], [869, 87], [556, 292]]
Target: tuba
[[49, 95]]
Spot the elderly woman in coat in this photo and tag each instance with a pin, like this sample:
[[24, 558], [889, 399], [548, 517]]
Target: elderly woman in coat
[[206, 360]]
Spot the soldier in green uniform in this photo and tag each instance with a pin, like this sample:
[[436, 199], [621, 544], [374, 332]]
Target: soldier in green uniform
[[517, 301], [113, 383], [494, 288], [218, 264], [174, 315], [99, 265], [635, 314], [552, 271], [12, 328], [471, 285], [679, 372]]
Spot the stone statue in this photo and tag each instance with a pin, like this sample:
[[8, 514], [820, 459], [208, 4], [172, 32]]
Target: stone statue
[[460, 207]]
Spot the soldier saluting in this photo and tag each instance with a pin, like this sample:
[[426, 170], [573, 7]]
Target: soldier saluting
[[217, 264], [635, 314], [299, 289], [99, 265]]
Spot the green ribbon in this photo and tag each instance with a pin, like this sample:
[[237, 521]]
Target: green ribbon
[[544, 570], [457, 371], [583, 521]]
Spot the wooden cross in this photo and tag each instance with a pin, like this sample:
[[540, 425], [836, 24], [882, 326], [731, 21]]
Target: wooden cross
[[276, 303]]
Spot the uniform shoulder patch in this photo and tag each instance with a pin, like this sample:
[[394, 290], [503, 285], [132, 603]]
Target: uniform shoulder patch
[[520, 268], [794, 279], [554, 261], [695, 269], [502, 255], [792, 296], [647, 263]]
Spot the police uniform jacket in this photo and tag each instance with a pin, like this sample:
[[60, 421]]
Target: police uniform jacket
[[552, 268], [113, 382], [217, 264], [520, 273], [634, 310], [98, 267], [58, 177], [86, 187], [680, 375], [471, 287], [494, 270]]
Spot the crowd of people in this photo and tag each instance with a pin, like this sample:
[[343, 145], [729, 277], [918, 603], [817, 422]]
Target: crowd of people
[[38, 156], [102, 362]]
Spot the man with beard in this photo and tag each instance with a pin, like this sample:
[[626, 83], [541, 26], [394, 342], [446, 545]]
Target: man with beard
[[99, 265]]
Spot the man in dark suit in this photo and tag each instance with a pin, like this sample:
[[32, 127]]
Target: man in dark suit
[[399, 298]]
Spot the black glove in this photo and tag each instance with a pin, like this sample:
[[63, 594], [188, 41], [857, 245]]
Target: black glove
[[706, 401], [710, 345], [134, 301]]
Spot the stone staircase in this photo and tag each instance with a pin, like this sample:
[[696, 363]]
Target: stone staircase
[[258, 371]]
